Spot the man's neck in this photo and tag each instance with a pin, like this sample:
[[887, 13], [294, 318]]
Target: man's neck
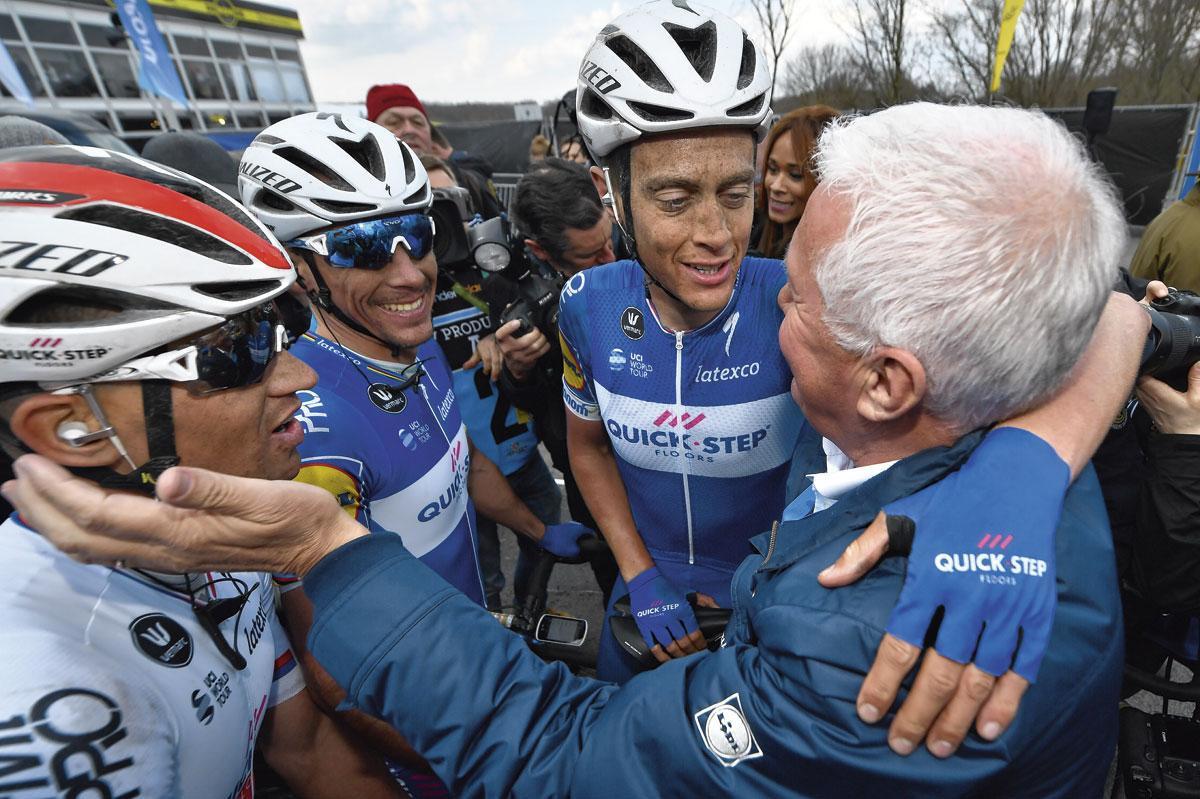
[[893, 441], [332, 328], [677, 317]]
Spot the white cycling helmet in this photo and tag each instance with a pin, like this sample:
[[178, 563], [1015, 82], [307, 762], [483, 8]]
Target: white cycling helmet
[[670, 65], [319, 169], [163, 254]]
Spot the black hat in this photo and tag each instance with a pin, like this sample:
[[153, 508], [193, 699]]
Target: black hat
[[196, 155]]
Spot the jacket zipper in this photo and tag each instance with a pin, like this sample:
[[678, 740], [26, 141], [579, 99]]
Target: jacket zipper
[[687, 494], [771, 545]]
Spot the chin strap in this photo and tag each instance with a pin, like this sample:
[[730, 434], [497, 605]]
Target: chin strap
[[160, 439], [324, 301]]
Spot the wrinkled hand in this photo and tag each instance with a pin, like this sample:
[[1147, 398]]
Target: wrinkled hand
[[487, 352], [1014, 483], [562, 540], [521, 354], [663, 616], [202, 521], [1175, 412]]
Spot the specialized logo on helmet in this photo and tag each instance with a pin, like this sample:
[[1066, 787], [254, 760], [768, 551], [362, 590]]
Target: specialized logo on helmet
[[726, 733], [599, 79], [61, 258], [992, 564], [268, 177]]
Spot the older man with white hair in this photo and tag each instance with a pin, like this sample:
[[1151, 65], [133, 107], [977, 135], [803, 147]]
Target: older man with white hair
[[948, 273]]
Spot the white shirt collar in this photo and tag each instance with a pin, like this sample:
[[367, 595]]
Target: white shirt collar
[[840, 476]]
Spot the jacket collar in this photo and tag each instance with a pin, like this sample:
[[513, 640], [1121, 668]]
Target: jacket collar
[[858, 508]]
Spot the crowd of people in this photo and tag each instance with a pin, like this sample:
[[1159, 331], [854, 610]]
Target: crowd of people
[[270, 418]]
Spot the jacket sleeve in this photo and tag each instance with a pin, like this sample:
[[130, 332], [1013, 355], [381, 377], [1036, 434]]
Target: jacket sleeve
[[494, 720]]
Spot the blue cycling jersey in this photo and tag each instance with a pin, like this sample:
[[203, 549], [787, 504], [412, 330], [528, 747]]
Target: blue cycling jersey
[[499, 430], [702, 422], [397, 460]]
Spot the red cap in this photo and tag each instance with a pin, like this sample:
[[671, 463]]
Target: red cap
[[391, 95]]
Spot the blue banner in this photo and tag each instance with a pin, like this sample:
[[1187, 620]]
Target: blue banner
[[156, 73], [10, 76], [1193, 167]]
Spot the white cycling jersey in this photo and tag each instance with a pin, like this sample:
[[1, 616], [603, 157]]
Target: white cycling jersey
[[110, 686]]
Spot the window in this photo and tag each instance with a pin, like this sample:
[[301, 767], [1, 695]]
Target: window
[[237, 81], [68, 72], [100, 36], [8, 28], [191, 45], [293, 84], [117, 74], [278, 116], [131, 122], [250, 119], [287, 54], [219, 119], [225, 49], [51, 31], [258, 51], [202, 74], [25, 66], [267, 84]]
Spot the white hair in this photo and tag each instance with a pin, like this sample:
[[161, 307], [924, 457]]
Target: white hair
[[982, 240]]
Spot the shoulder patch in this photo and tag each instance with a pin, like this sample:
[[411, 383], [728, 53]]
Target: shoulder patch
[[572, 372], [725, 732]]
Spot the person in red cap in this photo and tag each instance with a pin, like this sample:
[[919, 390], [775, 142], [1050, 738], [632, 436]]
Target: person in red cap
[[397, 108]]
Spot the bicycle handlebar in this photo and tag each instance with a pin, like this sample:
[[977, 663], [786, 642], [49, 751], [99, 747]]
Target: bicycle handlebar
[[712, 623]]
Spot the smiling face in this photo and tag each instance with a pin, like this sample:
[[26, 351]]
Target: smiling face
[[691, 200], [786, 182], [395, 303]]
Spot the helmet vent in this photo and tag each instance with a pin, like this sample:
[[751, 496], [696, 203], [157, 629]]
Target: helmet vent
[[592, 106], [749, 108], [84, 306], [418, 196], [313, 167], [642, 65], [656, 113], [749, 62], [235, 292], [699, 46], [267, 139], [269, 199], [365, 153], [336, 207], [161, 228]]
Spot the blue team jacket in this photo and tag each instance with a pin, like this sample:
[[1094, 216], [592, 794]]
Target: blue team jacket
[[770, 714]]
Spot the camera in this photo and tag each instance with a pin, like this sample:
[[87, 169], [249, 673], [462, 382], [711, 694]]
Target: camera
[[450, 211], [536, 305], [1157, 755], [1173, 344]]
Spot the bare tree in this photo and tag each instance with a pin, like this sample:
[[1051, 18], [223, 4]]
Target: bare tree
[[1159, 51], [826, 74], [880, 48], [775, 20]]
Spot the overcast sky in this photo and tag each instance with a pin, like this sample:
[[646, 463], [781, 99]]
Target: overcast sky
[[491, 51]]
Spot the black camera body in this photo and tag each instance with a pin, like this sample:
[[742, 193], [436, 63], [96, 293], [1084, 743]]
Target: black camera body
[[1173, 344], [1159, 755], [537, 305], [450, 211]]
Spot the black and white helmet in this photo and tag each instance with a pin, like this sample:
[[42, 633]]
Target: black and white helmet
[[318, 169], [666, 66]]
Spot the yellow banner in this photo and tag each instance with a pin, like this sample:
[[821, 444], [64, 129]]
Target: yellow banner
[[231, 15], [1008, 26]]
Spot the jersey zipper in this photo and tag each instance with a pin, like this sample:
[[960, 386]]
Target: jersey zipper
[[679, 411]]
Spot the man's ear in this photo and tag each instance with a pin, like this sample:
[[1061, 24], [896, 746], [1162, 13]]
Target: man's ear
[[894, 385], [43, 423], [602, 190], [538, 250]]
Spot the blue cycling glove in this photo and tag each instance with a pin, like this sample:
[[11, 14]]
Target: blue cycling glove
[[563, 539], [984, 550], [660, 609]]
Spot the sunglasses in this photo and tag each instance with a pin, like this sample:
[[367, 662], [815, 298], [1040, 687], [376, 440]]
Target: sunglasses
[[236, 354], [370, 244]]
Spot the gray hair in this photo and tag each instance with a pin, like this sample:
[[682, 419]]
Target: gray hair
[[982, 240]]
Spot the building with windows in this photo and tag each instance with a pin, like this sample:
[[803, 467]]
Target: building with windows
[[238, 61]]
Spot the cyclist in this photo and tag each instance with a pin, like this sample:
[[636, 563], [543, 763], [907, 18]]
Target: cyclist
[[143, 323], [384, 432]]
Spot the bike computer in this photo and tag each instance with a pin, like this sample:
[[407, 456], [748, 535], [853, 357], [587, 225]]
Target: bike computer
[[562, 630]]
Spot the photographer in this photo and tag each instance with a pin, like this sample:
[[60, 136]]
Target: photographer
[[556, 207]]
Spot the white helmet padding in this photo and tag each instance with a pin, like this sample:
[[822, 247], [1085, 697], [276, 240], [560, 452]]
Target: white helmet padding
[[318, 169], [668, 66]]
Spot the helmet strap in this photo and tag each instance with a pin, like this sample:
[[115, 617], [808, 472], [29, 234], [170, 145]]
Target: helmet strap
[[626, 181], [157, 409]]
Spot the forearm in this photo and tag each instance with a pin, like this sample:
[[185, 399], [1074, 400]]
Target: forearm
[[595, 469], [508, 725], [495, 499], [1076, 419]]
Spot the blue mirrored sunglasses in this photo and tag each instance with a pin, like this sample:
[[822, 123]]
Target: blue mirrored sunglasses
[[370, 244]]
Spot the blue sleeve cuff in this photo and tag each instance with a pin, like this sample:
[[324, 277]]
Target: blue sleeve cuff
[[339, 570]]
